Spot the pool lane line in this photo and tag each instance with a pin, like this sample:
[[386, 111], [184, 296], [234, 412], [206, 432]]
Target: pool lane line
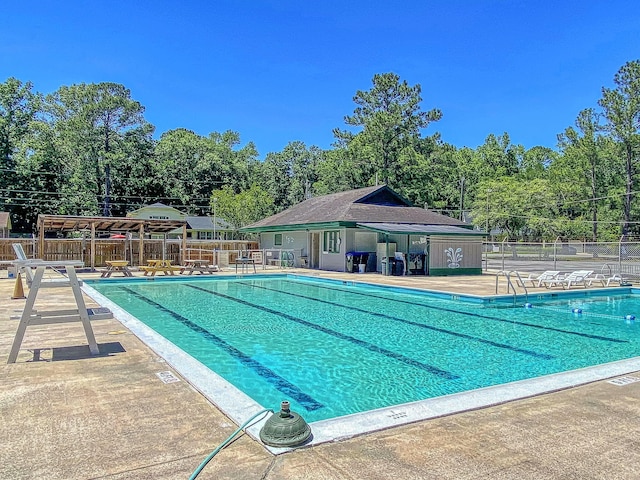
[[544, 356], [282, 384], [477, 315], [361, 343]]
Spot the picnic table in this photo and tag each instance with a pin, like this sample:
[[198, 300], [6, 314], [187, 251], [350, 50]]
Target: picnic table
[[155, 266], [198, 265], [114, 266]]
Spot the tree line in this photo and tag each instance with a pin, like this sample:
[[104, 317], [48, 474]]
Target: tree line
[[86, 149]]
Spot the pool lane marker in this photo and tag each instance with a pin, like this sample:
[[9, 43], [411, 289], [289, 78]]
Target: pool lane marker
[[369, 346], [286, 387], [477, 315], [544, 356]]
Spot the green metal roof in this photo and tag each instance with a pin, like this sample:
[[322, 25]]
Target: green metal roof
[[303, 226], [418, 229]]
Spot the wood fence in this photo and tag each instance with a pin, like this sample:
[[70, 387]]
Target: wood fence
[[108, 249]]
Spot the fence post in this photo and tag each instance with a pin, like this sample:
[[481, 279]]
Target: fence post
[[555, 252], [620, 254], [486, 256]]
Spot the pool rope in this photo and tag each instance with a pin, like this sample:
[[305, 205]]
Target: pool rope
[[579, 311]]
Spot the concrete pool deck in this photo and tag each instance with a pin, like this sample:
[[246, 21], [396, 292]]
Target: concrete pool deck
[[68, 415]]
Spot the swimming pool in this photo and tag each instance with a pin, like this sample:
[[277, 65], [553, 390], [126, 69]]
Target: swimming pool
[[341, 348]]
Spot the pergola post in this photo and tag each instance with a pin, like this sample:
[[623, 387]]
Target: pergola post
[[93, 246], [40, 252], [141, 246]]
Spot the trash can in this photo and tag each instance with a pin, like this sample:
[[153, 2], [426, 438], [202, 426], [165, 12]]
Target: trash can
[[11, 272], [398, 267], [362, 267], [391, 267]]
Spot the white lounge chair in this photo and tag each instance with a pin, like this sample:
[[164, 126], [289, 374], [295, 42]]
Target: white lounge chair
[[606, 281], [537, 279], [579, 277]]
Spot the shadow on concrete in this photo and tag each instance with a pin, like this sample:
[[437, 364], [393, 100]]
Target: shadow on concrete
[[80, 352]]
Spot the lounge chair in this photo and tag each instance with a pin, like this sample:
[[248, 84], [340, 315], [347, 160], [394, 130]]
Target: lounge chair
[[606, 281], [579, 277], [537, 279]]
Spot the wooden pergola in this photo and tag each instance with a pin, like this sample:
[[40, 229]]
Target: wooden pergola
[[141, 226]]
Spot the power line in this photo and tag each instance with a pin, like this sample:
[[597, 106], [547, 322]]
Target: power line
[[142, 197], [43, 202], [32, 172]]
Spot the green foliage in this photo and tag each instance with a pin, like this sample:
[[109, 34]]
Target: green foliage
[[244, 208], [90, 127], [18, 110], [586, 169], [86, 149], [289, 176], [621, 110], [391, 118]]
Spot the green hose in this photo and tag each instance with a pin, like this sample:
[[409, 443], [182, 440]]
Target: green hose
[[225, 443]]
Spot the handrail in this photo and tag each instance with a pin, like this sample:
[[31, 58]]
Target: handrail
[[510, 285], [521, 282], [607, 266]]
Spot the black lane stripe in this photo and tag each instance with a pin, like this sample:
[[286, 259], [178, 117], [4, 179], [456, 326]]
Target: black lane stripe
[[286, 387], [415, 324], [369, 346], [477, 315]]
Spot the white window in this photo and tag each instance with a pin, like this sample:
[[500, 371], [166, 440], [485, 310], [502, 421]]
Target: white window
[[332, 241]]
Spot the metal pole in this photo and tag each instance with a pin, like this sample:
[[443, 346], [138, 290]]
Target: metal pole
[[620, 255], [215, 201], [487, 223], [461, 197]]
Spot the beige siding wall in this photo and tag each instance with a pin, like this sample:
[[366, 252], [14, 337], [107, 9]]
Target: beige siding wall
[[455, 252]]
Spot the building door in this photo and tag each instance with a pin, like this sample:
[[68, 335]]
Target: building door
[[314, 261]]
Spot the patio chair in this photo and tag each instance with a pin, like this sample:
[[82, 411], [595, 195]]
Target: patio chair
[[579, 277], [537, 279]]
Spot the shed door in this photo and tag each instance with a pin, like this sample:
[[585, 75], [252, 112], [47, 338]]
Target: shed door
[[314, 261]]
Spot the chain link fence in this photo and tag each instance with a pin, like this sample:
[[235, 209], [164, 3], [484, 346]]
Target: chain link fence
[[608, 258]]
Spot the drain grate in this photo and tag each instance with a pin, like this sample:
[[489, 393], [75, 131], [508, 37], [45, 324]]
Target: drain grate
[[623, 381], [397, 415], [167, 377]]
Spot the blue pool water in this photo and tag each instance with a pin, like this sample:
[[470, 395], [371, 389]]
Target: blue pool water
[[335, 348]]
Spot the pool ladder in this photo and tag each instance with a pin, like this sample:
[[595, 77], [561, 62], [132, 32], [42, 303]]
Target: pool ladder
[[511, 286]]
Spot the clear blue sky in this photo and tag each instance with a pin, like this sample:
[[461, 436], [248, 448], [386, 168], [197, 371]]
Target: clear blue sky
[[281, 71]]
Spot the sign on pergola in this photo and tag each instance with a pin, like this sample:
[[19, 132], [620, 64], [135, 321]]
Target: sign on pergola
[[141, 226]]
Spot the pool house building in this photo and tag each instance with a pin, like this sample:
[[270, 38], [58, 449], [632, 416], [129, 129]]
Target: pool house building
[[372, 229]]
